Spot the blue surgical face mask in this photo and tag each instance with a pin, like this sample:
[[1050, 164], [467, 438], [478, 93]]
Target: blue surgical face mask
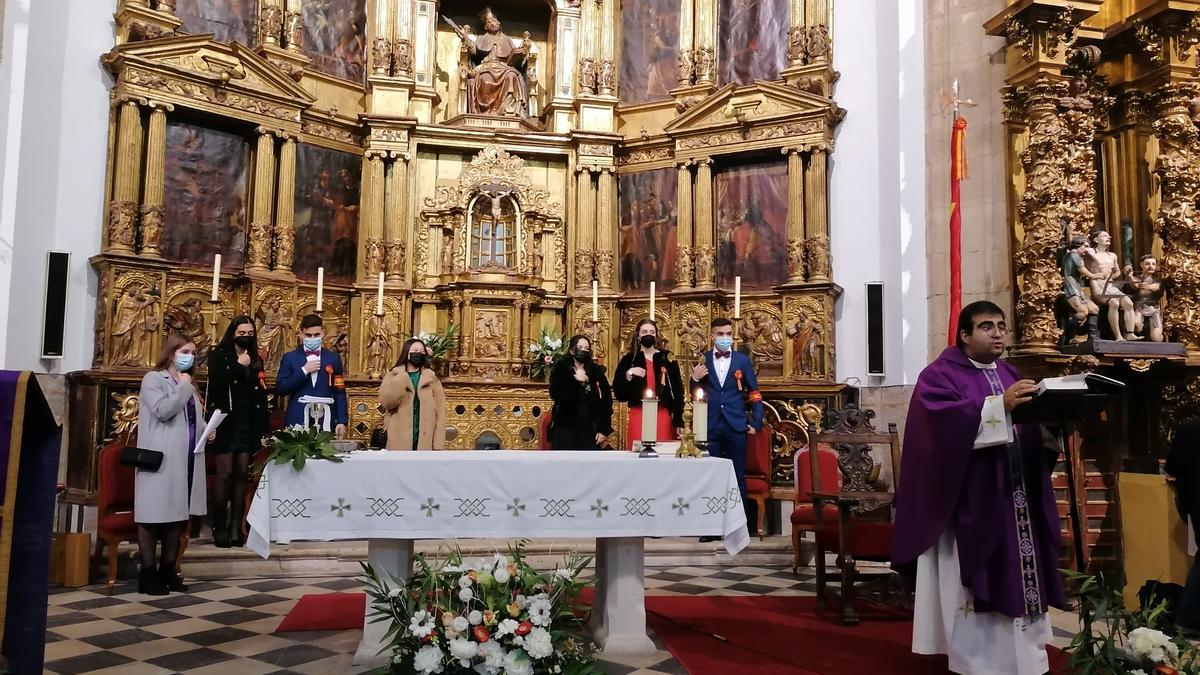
[[183, 362], [312, 344], [723, 343]]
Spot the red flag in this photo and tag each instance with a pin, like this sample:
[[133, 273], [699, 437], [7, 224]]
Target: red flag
[[958, 171]]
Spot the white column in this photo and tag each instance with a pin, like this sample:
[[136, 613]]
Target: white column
[[619, 616], [392, 561]]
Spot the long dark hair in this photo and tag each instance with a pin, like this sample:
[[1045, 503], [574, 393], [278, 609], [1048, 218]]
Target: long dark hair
[[635, 341], [404, 352], [569, 357], [227, 341]]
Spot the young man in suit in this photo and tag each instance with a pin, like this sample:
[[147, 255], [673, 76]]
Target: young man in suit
[[734, 404], [311, 370]]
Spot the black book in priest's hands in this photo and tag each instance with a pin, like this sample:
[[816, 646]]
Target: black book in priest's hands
[[1069, 398]]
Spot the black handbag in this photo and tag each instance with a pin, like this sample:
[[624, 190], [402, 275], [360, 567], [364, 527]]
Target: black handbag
[[141, 458]]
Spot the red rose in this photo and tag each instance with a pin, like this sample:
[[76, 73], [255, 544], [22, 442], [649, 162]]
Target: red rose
[[481, 634], [523, 628], [1164, 669], [427, 639], [548, 359]]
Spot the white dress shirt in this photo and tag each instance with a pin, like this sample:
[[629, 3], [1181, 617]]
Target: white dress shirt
[[722, 366]]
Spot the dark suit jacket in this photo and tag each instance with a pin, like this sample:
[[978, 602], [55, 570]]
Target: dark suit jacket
[[294, 383], [1183, 463], [731, 401]]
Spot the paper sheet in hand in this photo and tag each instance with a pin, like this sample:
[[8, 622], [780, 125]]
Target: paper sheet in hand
[[213, 423]]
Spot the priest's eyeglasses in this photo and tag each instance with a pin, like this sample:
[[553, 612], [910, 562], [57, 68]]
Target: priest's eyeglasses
[[993, 328]]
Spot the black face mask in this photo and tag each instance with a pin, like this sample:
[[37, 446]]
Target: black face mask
[[246, 342], [417, 360], [583, 356], [649, 341]]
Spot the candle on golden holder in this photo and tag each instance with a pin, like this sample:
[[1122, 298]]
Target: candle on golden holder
[[214, 304], [687, 445], [649, 424]]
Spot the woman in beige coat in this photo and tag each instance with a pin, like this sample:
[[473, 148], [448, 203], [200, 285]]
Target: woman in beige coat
[[170, 415], [413, 402]]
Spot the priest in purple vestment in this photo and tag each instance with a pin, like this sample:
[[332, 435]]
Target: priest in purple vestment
[[976, 519]]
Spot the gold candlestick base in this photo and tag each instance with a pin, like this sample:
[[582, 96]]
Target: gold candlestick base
[[687, 445]]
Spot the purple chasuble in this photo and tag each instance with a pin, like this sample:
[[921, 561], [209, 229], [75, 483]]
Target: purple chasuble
[[998, 499]]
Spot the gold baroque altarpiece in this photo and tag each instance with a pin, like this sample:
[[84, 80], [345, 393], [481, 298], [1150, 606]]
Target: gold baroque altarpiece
[[487, 190]]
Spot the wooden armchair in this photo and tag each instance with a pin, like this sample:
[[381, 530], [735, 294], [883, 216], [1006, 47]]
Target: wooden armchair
[[758, 472], [863, 527], [114, 507]]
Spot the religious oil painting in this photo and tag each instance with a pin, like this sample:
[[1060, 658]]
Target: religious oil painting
[[204, 196], [327, 195], [335, 37], [649, 48], [647, 229], [753, 40], [228, 20], [752, 225]]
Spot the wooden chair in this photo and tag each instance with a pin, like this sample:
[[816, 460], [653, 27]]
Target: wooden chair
[[758, 472], [863, 527], [114, 506], [544, 430], [804, 518]]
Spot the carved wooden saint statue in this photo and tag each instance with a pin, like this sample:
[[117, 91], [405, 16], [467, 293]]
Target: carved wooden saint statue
[[1102, 270], [135, 322], [1147, 300], [1085, 314], [496, 82]]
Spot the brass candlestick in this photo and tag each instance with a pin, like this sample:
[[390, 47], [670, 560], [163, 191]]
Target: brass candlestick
[[687, 439]]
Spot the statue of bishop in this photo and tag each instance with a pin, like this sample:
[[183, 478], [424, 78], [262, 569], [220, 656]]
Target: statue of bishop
[[496, 84]]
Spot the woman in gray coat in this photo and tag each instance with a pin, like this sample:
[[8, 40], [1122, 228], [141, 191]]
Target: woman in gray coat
[[170, 416]]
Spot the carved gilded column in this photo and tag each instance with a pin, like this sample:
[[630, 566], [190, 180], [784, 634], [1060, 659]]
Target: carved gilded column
[[285, 207], [155, 181], [270, 22], [606, 66], [371, 213], [816, 214], [1044, 160], [685, 60], [122, 209], [705, 54], [167, 6], [293, 26], [402, 44], [795, 216], [606, 228], [259, 249], [706, 254], [797, 33], [585, 228], [683, 228], [394, 215], [1178, 223], [817, 42], [381, 43]]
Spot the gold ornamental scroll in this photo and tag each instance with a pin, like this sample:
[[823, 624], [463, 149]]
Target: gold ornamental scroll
[[705, 252], [122, 209], [285, 207], [606, 228], [155, 181]]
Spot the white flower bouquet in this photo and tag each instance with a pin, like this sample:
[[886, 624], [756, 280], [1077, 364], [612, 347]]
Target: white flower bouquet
[[543, 353], [496, 616], [440, 343]]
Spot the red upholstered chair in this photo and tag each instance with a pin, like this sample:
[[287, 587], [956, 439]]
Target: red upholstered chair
[[544, 431], [758, 472], [862, 529], [804, 518], [115, 506]]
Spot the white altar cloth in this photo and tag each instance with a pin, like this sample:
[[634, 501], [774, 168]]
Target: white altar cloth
[[394, 498]]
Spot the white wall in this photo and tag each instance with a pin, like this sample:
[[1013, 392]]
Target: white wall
[[877, 184], [53, 131]]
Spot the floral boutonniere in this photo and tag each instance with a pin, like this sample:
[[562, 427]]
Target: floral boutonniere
[[262, 379], [737, 375], [329, 372]]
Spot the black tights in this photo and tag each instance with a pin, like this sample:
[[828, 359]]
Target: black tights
[[150, 534], [231, 478]]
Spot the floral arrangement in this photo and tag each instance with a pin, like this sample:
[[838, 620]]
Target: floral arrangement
[[298, 444], [1112, 639], [492, 616], [440, 343], [548, 348]]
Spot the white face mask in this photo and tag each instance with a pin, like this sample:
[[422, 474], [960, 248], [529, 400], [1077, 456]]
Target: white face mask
[[723, 343]]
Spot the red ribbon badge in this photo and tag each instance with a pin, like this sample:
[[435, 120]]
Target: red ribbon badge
[[737, 375], [755, 396], [329, 372]]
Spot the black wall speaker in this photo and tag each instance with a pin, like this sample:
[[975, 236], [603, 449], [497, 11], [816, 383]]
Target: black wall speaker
[[875, 329], [55, 317]]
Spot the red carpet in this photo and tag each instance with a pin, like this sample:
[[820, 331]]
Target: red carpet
[[785, 636], [325, 611]]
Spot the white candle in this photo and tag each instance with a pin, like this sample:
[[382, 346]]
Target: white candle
[[379, 296], [737, 297], [595, 300], [320, 288], [652, 301], [649, 418], [216, 284], [700, 418]]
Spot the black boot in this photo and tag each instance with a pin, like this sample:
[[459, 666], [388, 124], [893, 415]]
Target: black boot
[[220, 526], [150, 583], [170, 579], [1093, 327]]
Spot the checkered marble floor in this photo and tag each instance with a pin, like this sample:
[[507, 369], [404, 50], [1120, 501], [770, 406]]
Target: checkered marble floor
[[225, 627]]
